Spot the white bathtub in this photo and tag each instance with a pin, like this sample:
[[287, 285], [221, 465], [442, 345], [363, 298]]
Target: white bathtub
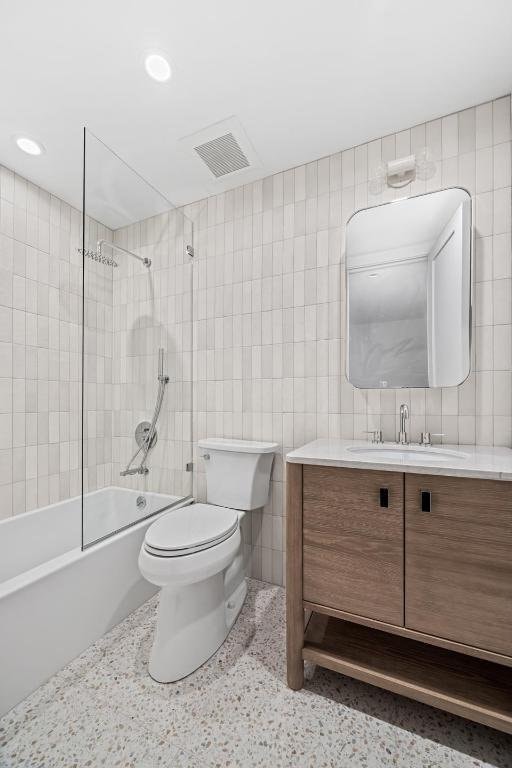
[[55, 599]]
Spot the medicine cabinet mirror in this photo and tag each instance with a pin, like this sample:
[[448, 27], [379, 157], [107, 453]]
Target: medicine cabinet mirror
[[408, 270]]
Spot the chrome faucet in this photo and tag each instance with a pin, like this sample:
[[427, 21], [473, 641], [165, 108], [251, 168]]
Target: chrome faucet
[[404, 415]]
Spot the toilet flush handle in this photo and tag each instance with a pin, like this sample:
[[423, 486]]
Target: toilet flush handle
[[206, 456]]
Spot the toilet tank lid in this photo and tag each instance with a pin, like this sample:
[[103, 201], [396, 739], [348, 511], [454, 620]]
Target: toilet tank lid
[[240, 446]]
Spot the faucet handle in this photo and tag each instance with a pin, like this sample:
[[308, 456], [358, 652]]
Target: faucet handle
[[426, 437], [376, 435]]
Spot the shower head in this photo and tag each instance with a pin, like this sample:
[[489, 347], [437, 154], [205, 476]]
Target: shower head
[[108, 261], [99, 257]]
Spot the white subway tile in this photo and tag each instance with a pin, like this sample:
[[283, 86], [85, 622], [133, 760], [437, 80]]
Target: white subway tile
[[501, 120], [483, 125]]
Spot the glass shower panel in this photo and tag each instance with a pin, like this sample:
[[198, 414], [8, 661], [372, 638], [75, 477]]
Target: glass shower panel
[[137, 347]]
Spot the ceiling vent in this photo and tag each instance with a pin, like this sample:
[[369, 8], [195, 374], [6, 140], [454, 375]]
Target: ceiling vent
[[224, 153]]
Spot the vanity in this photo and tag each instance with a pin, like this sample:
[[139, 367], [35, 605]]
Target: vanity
[[399, 571], [399, 555]]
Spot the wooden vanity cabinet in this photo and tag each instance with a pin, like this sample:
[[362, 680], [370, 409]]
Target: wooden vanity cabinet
[[353, 541], [406, 583], [458, 560]]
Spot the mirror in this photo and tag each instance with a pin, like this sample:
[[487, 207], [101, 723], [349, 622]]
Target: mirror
[[408, 270]]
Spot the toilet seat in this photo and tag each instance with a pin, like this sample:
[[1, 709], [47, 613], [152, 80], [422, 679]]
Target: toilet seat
[[190, 529]]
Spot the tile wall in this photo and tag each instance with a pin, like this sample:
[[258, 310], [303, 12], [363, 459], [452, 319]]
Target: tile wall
[[98, 363], [269, 328], [153, 309], [40, 343], [270, 306]]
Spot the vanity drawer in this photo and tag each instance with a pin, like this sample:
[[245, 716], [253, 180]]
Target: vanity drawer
[[352, 542], [458, 567]]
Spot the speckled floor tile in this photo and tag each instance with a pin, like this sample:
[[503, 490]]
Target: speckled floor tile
[[74, 730], [104, 709]]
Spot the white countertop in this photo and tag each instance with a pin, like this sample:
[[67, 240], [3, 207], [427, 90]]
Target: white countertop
[[476, 460]]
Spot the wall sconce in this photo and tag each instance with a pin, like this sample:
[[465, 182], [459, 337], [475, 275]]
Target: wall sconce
[[399, 173]]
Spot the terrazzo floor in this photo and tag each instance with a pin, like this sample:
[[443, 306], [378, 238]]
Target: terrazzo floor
[[103, 709]]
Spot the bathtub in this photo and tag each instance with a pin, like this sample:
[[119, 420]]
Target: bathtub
[[55, 599]]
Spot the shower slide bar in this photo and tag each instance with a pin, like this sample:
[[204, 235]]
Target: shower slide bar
[[148, 436]]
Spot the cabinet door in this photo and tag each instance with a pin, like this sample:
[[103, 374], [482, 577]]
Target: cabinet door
[[458, 560], [353, 542]]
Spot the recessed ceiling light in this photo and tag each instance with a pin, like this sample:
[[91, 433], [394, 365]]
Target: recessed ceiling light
[[158, 67], [30, 146]]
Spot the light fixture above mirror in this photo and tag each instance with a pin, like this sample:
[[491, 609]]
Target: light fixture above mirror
[[402, 171]]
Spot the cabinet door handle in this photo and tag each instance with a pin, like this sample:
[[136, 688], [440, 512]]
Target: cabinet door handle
[[384, 497], [426, 501]]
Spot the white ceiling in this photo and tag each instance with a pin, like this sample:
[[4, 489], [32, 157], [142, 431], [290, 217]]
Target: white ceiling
[[305, 79]]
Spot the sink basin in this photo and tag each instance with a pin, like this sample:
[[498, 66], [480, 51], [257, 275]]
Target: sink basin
[[407, 452]]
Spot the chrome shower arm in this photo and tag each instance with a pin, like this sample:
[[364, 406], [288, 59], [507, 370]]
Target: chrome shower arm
[[101, 243]]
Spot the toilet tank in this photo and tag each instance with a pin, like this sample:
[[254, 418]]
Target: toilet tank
[[237, 471]]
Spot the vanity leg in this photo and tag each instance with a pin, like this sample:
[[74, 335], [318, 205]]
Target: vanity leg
[[294, 608]]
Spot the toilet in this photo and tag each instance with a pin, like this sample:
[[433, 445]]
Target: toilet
[[195, 554]]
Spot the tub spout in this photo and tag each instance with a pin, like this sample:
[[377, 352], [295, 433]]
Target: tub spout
[[134, 471]]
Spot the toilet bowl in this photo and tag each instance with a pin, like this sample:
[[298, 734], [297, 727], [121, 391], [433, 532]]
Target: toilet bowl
[[195, 554]]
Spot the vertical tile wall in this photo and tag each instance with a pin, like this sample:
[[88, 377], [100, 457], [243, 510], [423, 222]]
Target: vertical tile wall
[[153, 309], [269, 327], [270, 306], [40, 346], [98, 363]]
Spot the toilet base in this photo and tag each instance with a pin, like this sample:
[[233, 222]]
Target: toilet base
[[192, 623]]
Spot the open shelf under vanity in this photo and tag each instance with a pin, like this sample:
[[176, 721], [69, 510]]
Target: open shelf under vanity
[[474, 688]]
